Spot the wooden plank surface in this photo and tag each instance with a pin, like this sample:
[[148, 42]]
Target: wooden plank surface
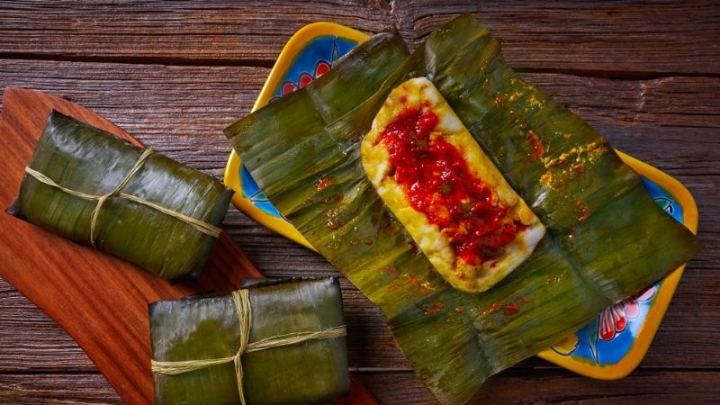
[[173, 74]]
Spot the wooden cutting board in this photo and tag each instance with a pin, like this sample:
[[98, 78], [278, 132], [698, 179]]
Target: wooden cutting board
[[101, 301]]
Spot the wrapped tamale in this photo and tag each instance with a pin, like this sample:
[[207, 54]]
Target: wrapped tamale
[[269, 343], [96, 189], [606, 238]]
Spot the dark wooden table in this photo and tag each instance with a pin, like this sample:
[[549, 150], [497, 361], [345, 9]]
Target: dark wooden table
[[174, 74]]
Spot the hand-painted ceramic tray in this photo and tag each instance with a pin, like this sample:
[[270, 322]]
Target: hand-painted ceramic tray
[[610, 346]]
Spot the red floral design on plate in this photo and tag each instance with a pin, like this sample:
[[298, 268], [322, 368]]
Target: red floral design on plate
[[615, 318], [321, 68], [288, 87], [305, 78]]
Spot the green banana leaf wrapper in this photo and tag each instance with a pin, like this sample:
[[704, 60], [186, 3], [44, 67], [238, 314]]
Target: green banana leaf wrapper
[[206, 327], [606, 239], [85, 159]]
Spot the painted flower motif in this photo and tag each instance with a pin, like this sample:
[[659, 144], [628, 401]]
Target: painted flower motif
[[287, 88], [321, 67], [609, 324], [614, 319]]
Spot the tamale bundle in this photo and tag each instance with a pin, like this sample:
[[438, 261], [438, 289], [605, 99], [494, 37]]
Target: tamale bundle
[[606, 238], [269, 343], [96, 189]]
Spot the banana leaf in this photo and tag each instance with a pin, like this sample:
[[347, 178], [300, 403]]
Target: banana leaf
[[96, 189], [606, 239], [325, 99], [206, 327]]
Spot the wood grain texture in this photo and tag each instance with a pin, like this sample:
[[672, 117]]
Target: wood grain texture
[[553, 387], [604, 37], [174, 74]]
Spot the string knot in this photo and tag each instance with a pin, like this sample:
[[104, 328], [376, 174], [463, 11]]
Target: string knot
[[199, 225]]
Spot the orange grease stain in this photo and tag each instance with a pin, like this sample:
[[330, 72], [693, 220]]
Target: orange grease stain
[[508, 309], [424, 288], [583, 211], [323, 183], [537, 146], [493, 308], [436, 307]]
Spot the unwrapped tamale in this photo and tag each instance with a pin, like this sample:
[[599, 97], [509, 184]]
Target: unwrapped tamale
[[96, 189], [606, 238], [446, 192], [269, 343]]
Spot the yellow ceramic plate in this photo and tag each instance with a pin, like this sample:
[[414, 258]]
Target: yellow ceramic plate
[[610, 346]]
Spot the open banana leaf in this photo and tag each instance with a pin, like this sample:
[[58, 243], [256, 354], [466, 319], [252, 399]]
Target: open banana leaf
[[96, 189], [606, 240], [202, 327]]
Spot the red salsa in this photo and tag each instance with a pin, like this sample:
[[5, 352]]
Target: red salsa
[[436, 178]]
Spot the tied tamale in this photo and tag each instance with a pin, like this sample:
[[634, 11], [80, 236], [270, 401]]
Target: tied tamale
[[269, 343], [447, 193], [96, 189], [606, 238]]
